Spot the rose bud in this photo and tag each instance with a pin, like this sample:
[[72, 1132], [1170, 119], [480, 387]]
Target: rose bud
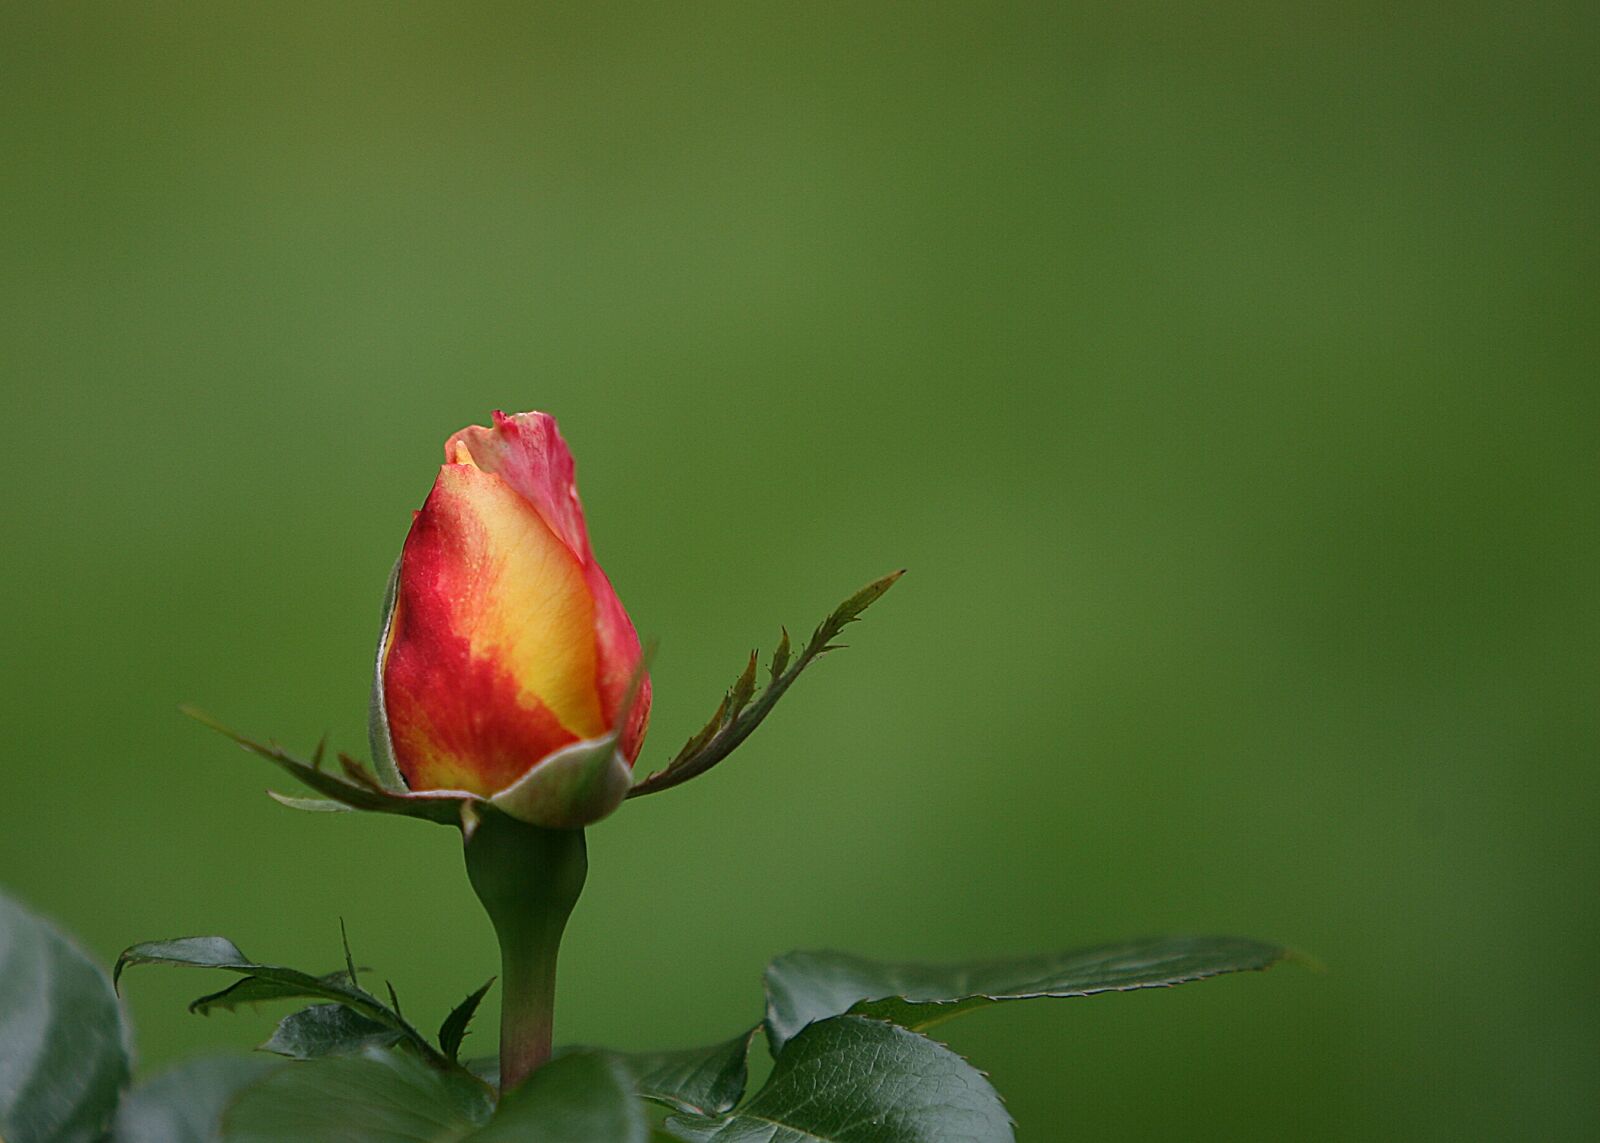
[[509, 669]]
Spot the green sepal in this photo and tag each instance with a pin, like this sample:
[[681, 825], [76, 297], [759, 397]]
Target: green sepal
[[310, 805], [850, 1079], [803, 987], [378, 736], [739, 713], [357, 790], [221, 953], [574, 787]]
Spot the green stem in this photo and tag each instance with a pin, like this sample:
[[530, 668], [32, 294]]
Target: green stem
[[528, 879]]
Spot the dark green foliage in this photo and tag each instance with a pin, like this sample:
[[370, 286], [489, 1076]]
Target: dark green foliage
[[380, 1097], [219, 952], [700, 1081], [851, 1079], [850, 1064], [184, 1104], [582, 1097], [807, 986], [328, 1030]]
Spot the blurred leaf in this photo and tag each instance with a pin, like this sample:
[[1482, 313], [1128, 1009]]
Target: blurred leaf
[[63, 1044], [184, 1104], [807, 986], [385, 1097], [704, 1081], [582, 1097], [257, 990], [221, 953], [851, 1079], [454, 1028], [738, 716], [382, 1097], [328, 1030], [701, 1081]]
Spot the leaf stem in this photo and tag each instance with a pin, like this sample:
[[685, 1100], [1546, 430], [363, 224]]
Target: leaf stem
[[528, 879]]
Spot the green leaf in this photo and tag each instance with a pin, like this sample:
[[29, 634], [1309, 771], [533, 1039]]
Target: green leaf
[[382, 1097], [328, 1030], [807, 986], [582, 1097], [701, 1081], [454, 1028], [739, 715], [851, 1079], [184, 1104], [257, 990], [219, 952], [63, 1043]]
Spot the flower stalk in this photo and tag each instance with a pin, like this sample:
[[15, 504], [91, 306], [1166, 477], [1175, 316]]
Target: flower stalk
[[528, 879]]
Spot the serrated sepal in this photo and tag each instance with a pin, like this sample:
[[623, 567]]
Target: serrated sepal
[[356, 789], [742, 710]]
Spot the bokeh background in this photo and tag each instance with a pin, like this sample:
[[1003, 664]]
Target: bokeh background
[[1225, 374]]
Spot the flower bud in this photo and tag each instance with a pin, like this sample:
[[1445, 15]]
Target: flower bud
[[508, 666]]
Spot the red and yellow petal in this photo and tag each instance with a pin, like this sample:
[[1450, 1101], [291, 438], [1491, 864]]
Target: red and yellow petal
[[527, 451], [493, 659]]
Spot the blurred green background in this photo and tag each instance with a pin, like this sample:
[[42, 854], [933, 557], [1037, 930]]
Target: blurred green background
[[1226, 376]]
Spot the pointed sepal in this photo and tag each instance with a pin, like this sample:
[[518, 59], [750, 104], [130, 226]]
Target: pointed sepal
[[741, 711], [356, 789], [378, 737]]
